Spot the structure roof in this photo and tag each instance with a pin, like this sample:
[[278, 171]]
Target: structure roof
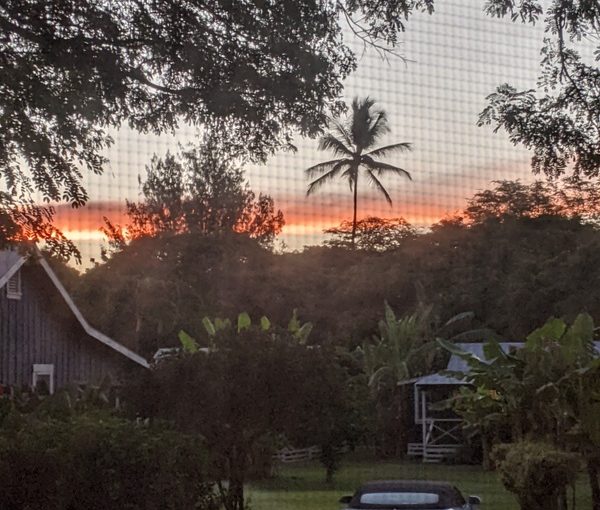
[[11, 261], [457, 364]]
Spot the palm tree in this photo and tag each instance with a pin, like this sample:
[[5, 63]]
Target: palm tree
[[353, 142]]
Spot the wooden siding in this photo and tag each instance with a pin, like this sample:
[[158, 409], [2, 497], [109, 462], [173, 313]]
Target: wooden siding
[[40, 328]]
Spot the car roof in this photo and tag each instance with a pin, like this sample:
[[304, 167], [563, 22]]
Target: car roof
[[402, 485], [449, 495]]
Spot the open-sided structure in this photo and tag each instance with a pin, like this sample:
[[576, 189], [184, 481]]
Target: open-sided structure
[[441, 431]]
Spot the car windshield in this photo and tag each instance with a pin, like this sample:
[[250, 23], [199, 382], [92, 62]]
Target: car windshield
[[407, 495], [400, 498]]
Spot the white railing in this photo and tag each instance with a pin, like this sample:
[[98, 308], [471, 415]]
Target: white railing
[[297, 455]]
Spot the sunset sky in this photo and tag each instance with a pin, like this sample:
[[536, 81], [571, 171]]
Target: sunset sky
[[458, 56]]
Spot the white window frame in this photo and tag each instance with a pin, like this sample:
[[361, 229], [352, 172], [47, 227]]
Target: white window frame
[[43, 369], [13, 286]]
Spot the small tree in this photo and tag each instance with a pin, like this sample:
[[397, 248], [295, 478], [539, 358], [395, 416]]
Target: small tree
[[372, 234], [200, 190], [252, 383], [537, 473]]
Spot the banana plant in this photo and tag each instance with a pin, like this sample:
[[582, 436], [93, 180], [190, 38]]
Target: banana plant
[[298, 330], [406, 347], [212, 327]]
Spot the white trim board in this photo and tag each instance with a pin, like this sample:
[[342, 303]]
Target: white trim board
[[12, 271], [94, 333]]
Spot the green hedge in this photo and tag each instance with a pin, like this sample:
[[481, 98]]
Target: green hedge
[[98, 462]]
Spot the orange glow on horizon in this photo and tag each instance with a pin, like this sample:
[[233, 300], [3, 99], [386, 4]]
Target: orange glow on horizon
[[84, 224]]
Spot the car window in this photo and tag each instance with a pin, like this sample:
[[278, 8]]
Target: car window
[[400, 498]]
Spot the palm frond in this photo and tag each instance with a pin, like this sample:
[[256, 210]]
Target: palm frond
[[343, 132], [323, 167], [378, 126], [384, 151], [379, 375], [382, 168], [379, 186], [362, 120], [330, 142], [332, 174]]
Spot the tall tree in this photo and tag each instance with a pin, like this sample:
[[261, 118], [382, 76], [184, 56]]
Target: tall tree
[[201, 190], [72, 70], [559, 122], [572, 198], [353, 141]]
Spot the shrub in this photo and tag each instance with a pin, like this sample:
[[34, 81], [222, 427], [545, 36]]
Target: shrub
[[95, 461], [536, 472]]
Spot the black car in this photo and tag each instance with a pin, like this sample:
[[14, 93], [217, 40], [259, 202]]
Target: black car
[[409, 495]]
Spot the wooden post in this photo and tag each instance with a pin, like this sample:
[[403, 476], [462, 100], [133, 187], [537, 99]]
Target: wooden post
[[424, 422]]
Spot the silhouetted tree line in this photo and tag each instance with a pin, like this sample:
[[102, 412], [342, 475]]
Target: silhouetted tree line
[[516, 255]]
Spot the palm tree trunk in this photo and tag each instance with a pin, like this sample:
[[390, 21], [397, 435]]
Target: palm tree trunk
[[355, 208]]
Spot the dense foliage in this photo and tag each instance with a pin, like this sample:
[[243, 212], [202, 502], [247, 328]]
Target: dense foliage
[[371, 234], [543, 391], [506, 258], [96, 461], [201, 190], [252, 385], [255, 71], [559, 121], [537, 473]]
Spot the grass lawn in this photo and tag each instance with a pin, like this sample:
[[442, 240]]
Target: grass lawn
[[301, 486]]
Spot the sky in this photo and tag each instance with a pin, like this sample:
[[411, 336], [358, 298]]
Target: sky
[[457, 57]]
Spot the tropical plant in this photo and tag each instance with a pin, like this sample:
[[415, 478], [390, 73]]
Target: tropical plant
[[353, 142], [404, 348], [547, 390]]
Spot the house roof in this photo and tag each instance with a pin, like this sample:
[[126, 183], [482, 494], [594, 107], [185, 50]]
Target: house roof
[[457, 364], [11, 261]]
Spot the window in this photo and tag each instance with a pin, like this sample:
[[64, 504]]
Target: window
[[43, 378], [13, 286], [400, 498]]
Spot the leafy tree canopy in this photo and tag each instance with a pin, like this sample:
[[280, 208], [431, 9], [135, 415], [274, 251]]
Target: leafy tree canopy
[[201, 190], [560, 120], [256, 71], [567, 198], [256, 383], [372, 234], [510, 270]]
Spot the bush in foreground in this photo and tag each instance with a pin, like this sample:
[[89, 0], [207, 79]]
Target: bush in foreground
[[96, 462]]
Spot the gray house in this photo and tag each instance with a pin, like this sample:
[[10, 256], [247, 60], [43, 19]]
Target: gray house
[[44, 338]]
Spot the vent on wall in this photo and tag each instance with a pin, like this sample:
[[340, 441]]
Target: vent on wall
[[13, 286], [43, 378]]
